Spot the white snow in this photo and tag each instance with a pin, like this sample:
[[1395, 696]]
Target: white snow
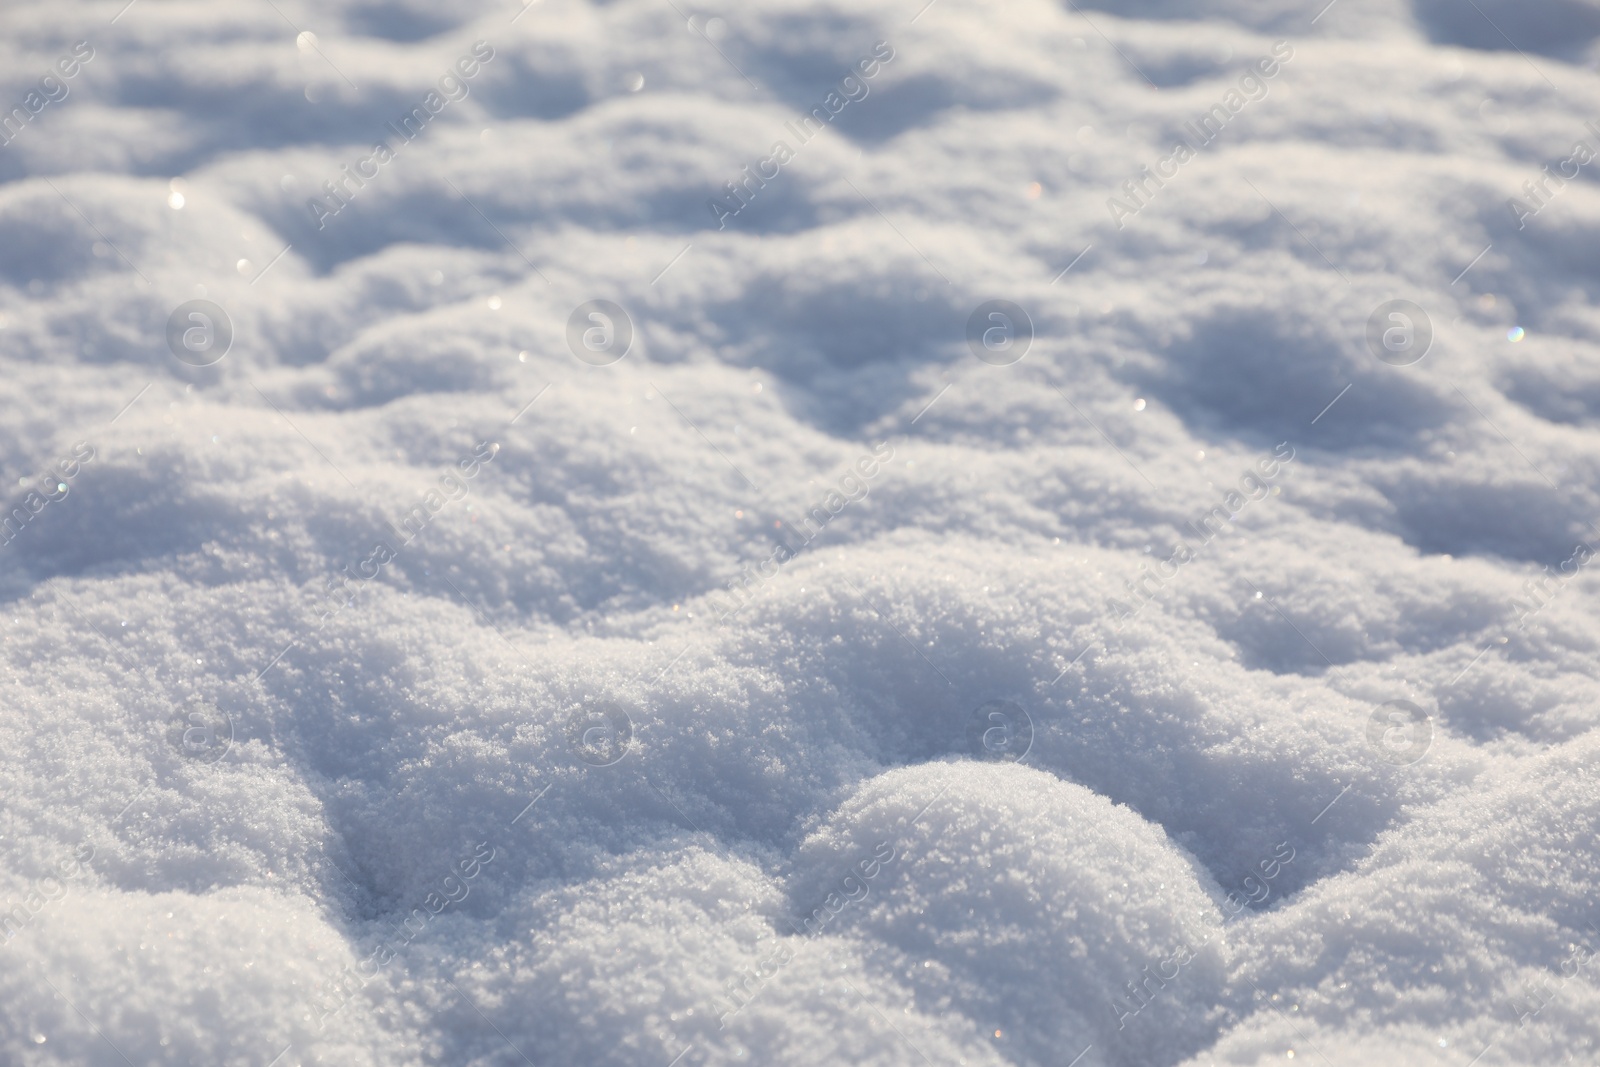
[[425, 679]]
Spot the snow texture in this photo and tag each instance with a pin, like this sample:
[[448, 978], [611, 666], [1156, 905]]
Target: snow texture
[[883, 533]]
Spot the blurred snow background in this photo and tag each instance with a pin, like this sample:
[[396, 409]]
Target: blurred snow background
[[372, 690]]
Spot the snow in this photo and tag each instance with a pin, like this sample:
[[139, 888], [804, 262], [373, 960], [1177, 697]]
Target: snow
[[534, 615]]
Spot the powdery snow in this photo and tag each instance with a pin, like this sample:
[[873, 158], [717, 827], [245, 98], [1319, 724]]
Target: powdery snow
[[887, 533]]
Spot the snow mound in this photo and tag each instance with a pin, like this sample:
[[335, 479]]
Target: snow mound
[[881, 533]]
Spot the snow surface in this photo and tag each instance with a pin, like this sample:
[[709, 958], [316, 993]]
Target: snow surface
[[808, 684]]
